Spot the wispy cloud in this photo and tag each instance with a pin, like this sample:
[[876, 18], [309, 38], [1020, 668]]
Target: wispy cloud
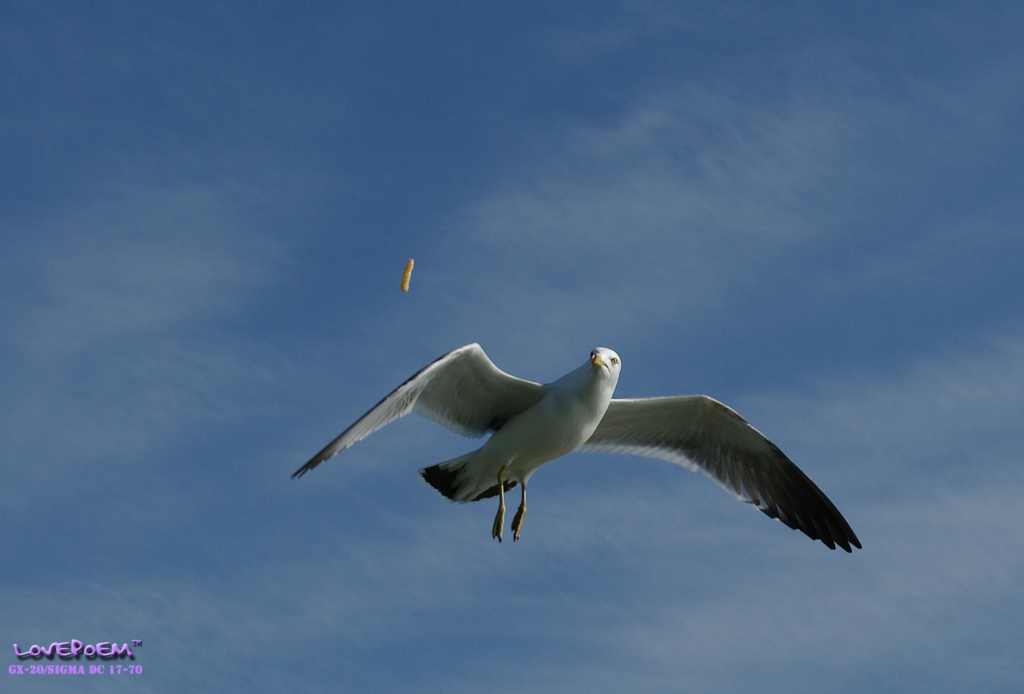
[[942, 420], [112, 334], [661, 217], [136, 263], [170, 357]]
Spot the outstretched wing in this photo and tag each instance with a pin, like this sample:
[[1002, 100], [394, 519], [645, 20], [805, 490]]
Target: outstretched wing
[[463, 390], [704, 435]]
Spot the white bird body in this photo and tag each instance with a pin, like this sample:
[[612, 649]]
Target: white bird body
[[533, 424], [561, 422]]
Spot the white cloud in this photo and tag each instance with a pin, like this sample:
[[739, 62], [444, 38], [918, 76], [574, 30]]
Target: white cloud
[[112, 340], [944, 417], [661, 217], [632, 573], [133, 264]]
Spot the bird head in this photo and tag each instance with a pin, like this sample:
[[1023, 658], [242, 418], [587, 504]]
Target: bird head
[[606, 360]]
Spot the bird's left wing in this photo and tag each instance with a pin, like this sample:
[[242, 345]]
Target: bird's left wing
[[463, 390], [704, 435]]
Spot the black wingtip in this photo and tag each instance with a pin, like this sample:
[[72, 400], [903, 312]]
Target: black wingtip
[[303, 470], [795, 500], [827, 530]]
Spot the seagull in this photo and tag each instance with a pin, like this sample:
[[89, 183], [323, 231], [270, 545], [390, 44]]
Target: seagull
[[533, 424]]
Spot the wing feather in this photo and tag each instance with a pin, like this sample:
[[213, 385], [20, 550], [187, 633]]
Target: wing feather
[[702, 434], [463, 391]]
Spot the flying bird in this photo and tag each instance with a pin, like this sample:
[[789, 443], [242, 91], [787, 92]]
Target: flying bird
[[533, 424]]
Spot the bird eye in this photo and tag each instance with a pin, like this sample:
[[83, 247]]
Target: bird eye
[[615, 360]]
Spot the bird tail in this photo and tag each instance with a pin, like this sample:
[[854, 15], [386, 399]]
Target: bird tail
[[456, 481]]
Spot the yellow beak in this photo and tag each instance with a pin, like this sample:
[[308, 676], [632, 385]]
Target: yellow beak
[[597, 360]]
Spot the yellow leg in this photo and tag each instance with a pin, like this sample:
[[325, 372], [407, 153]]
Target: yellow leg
[[499, 520], [517, 522]]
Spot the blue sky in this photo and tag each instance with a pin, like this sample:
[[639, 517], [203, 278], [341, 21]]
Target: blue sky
[[811, 213]]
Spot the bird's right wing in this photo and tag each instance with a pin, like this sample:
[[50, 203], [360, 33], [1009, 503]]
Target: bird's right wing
[[704, 435], [463, 390]]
